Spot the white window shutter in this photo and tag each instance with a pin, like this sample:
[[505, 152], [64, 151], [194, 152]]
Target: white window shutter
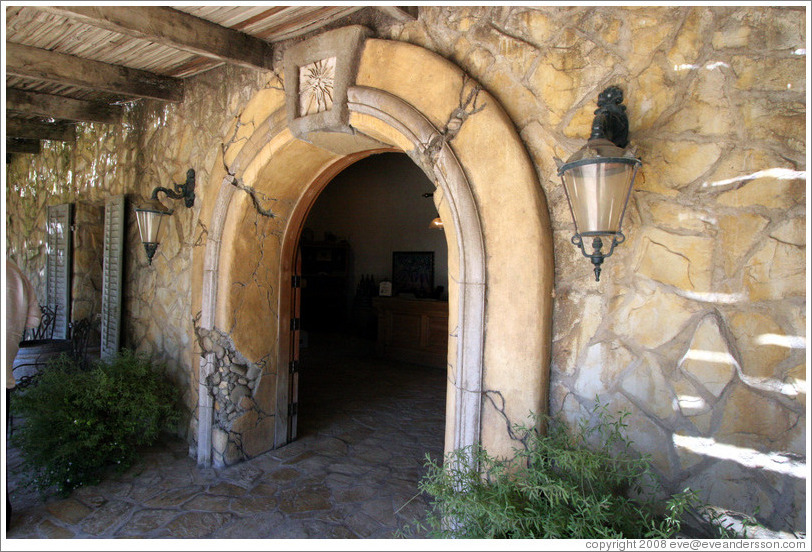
[[112, 276], [59, 265]]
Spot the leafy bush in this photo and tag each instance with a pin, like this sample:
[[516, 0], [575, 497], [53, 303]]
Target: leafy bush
[[79, 422], [585, 486]]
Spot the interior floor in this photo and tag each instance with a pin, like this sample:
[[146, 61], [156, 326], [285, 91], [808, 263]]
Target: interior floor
[[343, 383]]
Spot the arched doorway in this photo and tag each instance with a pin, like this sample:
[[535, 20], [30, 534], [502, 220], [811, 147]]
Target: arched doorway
[[400, 98], [377, 211], [466, 255]]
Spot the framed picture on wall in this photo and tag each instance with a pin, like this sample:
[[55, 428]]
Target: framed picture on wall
[[413, 272]]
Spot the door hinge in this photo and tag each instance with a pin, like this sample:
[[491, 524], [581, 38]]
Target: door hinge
[[296, 281], [293, 409], [295, 324], [293, 367]]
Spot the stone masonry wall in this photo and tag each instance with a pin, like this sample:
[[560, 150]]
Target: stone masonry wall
[[87, 274], [698, 327], [154, 145], [87, 281]]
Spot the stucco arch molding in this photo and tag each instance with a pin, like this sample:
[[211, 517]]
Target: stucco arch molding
[[465, 241]]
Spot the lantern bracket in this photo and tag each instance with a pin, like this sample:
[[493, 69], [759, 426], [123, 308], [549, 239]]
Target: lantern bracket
[[184, 191], [610, 120]]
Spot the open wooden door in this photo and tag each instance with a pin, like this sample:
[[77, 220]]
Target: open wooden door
[[295, 335]]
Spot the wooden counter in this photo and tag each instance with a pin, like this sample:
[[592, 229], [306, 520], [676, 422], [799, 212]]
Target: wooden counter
[[413, 330]]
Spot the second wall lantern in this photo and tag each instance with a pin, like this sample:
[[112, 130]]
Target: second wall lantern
[[598, 179], [150, 215]]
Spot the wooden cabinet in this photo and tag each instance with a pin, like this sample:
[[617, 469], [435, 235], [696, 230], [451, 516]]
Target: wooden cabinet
[[413, 330]]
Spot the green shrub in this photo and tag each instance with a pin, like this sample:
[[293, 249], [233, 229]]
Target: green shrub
[[585, 486], [80, 422]]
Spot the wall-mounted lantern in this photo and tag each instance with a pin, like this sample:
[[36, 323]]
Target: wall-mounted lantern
[[598, 179], [150, 215]]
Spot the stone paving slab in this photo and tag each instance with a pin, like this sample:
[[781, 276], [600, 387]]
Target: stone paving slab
[[352, 473]]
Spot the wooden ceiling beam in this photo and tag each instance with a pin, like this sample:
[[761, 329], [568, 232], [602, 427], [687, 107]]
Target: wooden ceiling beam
[[175, 29], [36, 63], [37, 130], [402, 14], [293, 28], [21, 145], [61, 107]]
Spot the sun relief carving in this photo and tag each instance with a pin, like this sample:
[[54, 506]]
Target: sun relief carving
[[318, 73], [316, 82]]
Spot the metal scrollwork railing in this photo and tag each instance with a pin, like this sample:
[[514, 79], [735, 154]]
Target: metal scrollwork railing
[[45, 330]]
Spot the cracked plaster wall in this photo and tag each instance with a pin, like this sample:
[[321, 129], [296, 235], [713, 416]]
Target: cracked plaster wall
[[248, 288], [699, 325]]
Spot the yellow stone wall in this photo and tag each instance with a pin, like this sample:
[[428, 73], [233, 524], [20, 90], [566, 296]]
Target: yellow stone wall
[[698, 327]]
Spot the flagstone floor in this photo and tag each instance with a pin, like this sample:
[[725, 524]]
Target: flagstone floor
[[365, 428]]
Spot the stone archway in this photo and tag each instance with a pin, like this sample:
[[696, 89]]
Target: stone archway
[[500, 275], [368, 109]]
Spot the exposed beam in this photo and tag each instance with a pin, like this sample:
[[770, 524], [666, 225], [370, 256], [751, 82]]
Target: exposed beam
[[176, 29], [60, 107], [402, 14], [319, 18], [21, 145], [37, 130], [35, 63], [194, 66]]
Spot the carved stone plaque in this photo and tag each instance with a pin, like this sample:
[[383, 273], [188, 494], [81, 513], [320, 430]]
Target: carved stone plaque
[[318, 72], [316, 84]]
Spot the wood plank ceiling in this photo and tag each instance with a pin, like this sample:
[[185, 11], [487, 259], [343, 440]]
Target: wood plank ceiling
[[66, 64]]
